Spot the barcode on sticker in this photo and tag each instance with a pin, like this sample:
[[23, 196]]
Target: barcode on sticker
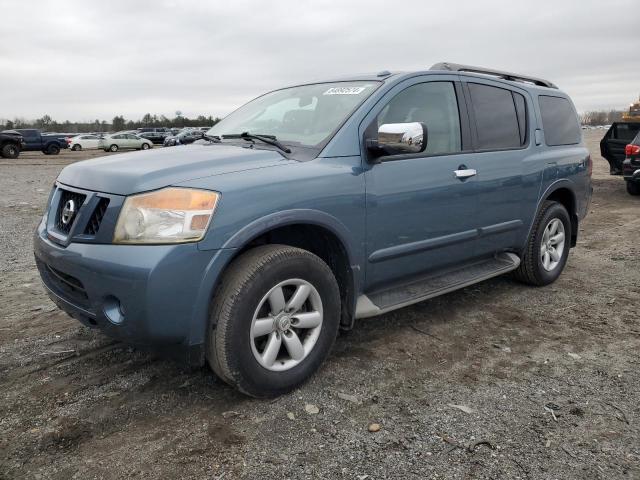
[[344, 91]]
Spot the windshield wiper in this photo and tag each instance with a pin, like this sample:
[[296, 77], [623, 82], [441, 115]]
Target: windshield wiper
[[213, 139], [270, 139]]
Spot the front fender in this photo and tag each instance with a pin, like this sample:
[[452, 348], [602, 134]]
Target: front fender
[[222, 257], [292, 217]]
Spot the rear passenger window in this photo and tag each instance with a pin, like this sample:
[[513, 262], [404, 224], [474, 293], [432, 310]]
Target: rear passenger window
[[434, 104], [497, 122], [559, 121]]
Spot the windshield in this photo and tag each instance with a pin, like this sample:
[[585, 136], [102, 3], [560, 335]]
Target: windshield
[[307, 115]]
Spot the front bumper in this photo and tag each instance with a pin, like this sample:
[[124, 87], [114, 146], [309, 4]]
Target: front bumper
[[156, 295]]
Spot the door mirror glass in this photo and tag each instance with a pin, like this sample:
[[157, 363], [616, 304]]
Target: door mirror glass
[[400, 138]]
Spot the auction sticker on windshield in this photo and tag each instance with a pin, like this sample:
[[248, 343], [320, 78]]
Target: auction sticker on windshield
[[344, 91]]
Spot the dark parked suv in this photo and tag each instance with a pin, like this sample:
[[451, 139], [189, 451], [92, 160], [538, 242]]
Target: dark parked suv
[[316, 205], [631, 166], [613, 144]]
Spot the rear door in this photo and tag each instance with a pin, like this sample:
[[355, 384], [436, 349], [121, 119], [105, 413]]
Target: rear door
[[505, 183], [119, 140], [90, 141]]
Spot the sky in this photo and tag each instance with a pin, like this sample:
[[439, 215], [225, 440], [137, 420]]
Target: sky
[[87, 60]]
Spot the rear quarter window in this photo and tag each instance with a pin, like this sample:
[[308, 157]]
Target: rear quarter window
[[559, 121]]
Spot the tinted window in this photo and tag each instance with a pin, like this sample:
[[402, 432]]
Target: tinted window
[[559, 121], [435, 105], [496, 117], [626, 131]]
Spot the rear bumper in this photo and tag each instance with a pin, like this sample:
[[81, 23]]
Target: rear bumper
[[156, 295], [631, 172]]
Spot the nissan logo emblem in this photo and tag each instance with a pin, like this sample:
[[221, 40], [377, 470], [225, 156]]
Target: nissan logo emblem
[[68, 212]]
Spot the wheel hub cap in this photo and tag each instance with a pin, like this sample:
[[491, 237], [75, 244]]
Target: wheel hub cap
[[286, 325], [283, 323]]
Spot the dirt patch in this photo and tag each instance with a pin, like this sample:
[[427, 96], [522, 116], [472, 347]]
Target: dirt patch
[[549, 376]]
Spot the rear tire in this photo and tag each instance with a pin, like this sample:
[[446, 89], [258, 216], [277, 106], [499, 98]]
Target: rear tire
[[254, 291], [76, 147], [546, 254], [53, 149], [10, 151], [633, 188], [113, 148]]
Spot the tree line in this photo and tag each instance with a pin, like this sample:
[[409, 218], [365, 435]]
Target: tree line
[[48, 124], [601, 117]]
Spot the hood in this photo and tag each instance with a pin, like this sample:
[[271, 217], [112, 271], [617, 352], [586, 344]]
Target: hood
[[12, 133], [140, 171]]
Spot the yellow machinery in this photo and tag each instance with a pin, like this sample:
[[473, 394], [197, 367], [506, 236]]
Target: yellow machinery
[[633, 115]]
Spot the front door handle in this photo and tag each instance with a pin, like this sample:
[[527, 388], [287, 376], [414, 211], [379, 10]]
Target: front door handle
[[464, 173]]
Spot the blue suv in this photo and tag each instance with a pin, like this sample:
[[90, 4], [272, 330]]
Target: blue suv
[[313, 206]]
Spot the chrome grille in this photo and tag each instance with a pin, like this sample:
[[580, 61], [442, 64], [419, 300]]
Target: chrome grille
[[66, 218]]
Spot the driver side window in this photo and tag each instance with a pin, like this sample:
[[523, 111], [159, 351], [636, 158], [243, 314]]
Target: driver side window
[[434, 104]]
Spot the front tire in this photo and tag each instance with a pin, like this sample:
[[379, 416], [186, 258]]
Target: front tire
[[10, 151], [113, 148], [547, 248], [633, 188], [145, 146], [274, 319]]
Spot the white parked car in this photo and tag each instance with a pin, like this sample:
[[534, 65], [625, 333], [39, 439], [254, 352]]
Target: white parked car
[[82, 142], [115, 142]]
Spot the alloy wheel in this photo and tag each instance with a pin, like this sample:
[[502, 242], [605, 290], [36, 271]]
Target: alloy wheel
[[553, 244], [286, 325]]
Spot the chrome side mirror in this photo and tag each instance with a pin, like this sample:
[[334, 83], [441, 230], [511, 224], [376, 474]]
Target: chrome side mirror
[[399, 138]]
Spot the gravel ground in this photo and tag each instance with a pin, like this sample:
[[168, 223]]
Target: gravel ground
[[498, 380]]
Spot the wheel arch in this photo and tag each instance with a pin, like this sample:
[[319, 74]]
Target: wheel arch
[[563, 192], [318, 232], [326, 236]]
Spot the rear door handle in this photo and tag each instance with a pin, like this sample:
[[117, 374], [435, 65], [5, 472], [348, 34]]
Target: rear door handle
[[465, 173]]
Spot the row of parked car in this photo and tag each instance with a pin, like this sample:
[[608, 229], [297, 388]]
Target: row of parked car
[[12, 142], [141, 139]]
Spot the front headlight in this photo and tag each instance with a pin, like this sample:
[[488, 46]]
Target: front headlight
[[170, 215]]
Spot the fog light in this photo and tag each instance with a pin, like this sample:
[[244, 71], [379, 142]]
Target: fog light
[[113, 310]]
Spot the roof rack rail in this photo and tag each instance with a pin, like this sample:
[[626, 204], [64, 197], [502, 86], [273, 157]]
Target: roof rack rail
[[514, 77]]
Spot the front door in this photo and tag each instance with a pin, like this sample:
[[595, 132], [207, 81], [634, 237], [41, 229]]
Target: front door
[[420, 215]]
